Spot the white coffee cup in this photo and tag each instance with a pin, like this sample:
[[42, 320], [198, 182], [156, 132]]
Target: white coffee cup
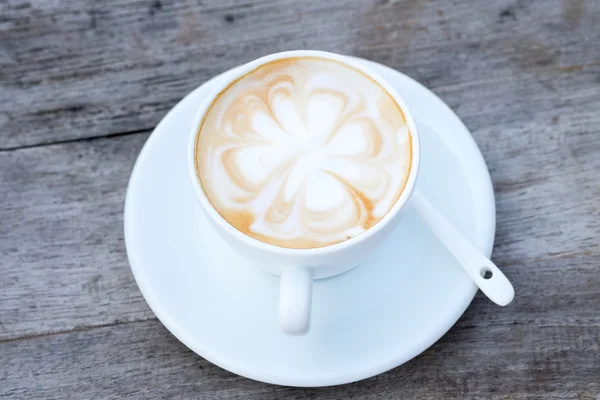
[[299, 267]]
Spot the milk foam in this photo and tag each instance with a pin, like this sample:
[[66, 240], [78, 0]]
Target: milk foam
[[303, 152]]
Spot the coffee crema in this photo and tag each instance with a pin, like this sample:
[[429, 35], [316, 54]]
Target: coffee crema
[[303, 152]]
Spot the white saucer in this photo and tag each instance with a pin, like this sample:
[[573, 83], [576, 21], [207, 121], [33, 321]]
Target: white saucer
[[366, 321]]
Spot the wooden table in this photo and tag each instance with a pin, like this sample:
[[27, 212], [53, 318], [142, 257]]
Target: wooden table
[[83, 83]]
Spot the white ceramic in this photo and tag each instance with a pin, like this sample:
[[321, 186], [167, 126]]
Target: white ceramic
[[486, 275], [298, 267], [368, 320]]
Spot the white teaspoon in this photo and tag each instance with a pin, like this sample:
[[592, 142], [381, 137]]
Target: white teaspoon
[[482, 271]]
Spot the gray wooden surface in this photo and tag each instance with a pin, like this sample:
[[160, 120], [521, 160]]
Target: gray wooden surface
[[83, 83]]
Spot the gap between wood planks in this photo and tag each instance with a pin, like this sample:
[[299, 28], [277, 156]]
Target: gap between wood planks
[[84, 328], [83, 139]]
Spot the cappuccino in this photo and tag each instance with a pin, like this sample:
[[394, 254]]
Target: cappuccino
[[303, 152]]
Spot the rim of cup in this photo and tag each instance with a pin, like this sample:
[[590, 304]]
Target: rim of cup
[[245, 69]]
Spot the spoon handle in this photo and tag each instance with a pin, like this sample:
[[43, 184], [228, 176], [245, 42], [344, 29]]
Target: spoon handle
[[482, 271]]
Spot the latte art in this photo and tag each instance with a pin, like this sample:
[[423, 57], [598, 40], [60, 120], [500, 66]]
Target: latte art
[[303, 153]]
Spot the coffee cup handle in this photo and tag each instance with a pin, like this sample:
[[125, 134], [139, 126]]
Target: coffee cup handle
[[295, 300]]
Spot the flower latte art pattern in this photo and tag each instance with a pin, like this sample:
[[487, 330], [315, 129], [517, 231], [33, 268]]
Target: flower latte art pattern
[[303, 153]]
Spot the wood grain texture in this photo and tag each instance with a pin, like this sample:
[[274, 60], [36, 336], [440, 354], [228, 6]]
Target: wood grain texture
[[64, 264], [84, 68], [83, 82], [142, 360], [61, 237]]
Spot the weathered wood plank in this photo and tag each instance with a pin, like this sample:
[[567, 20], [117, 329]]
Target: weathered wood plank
[[64, 265], [524, 76], [530, 360], [84, 69]]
